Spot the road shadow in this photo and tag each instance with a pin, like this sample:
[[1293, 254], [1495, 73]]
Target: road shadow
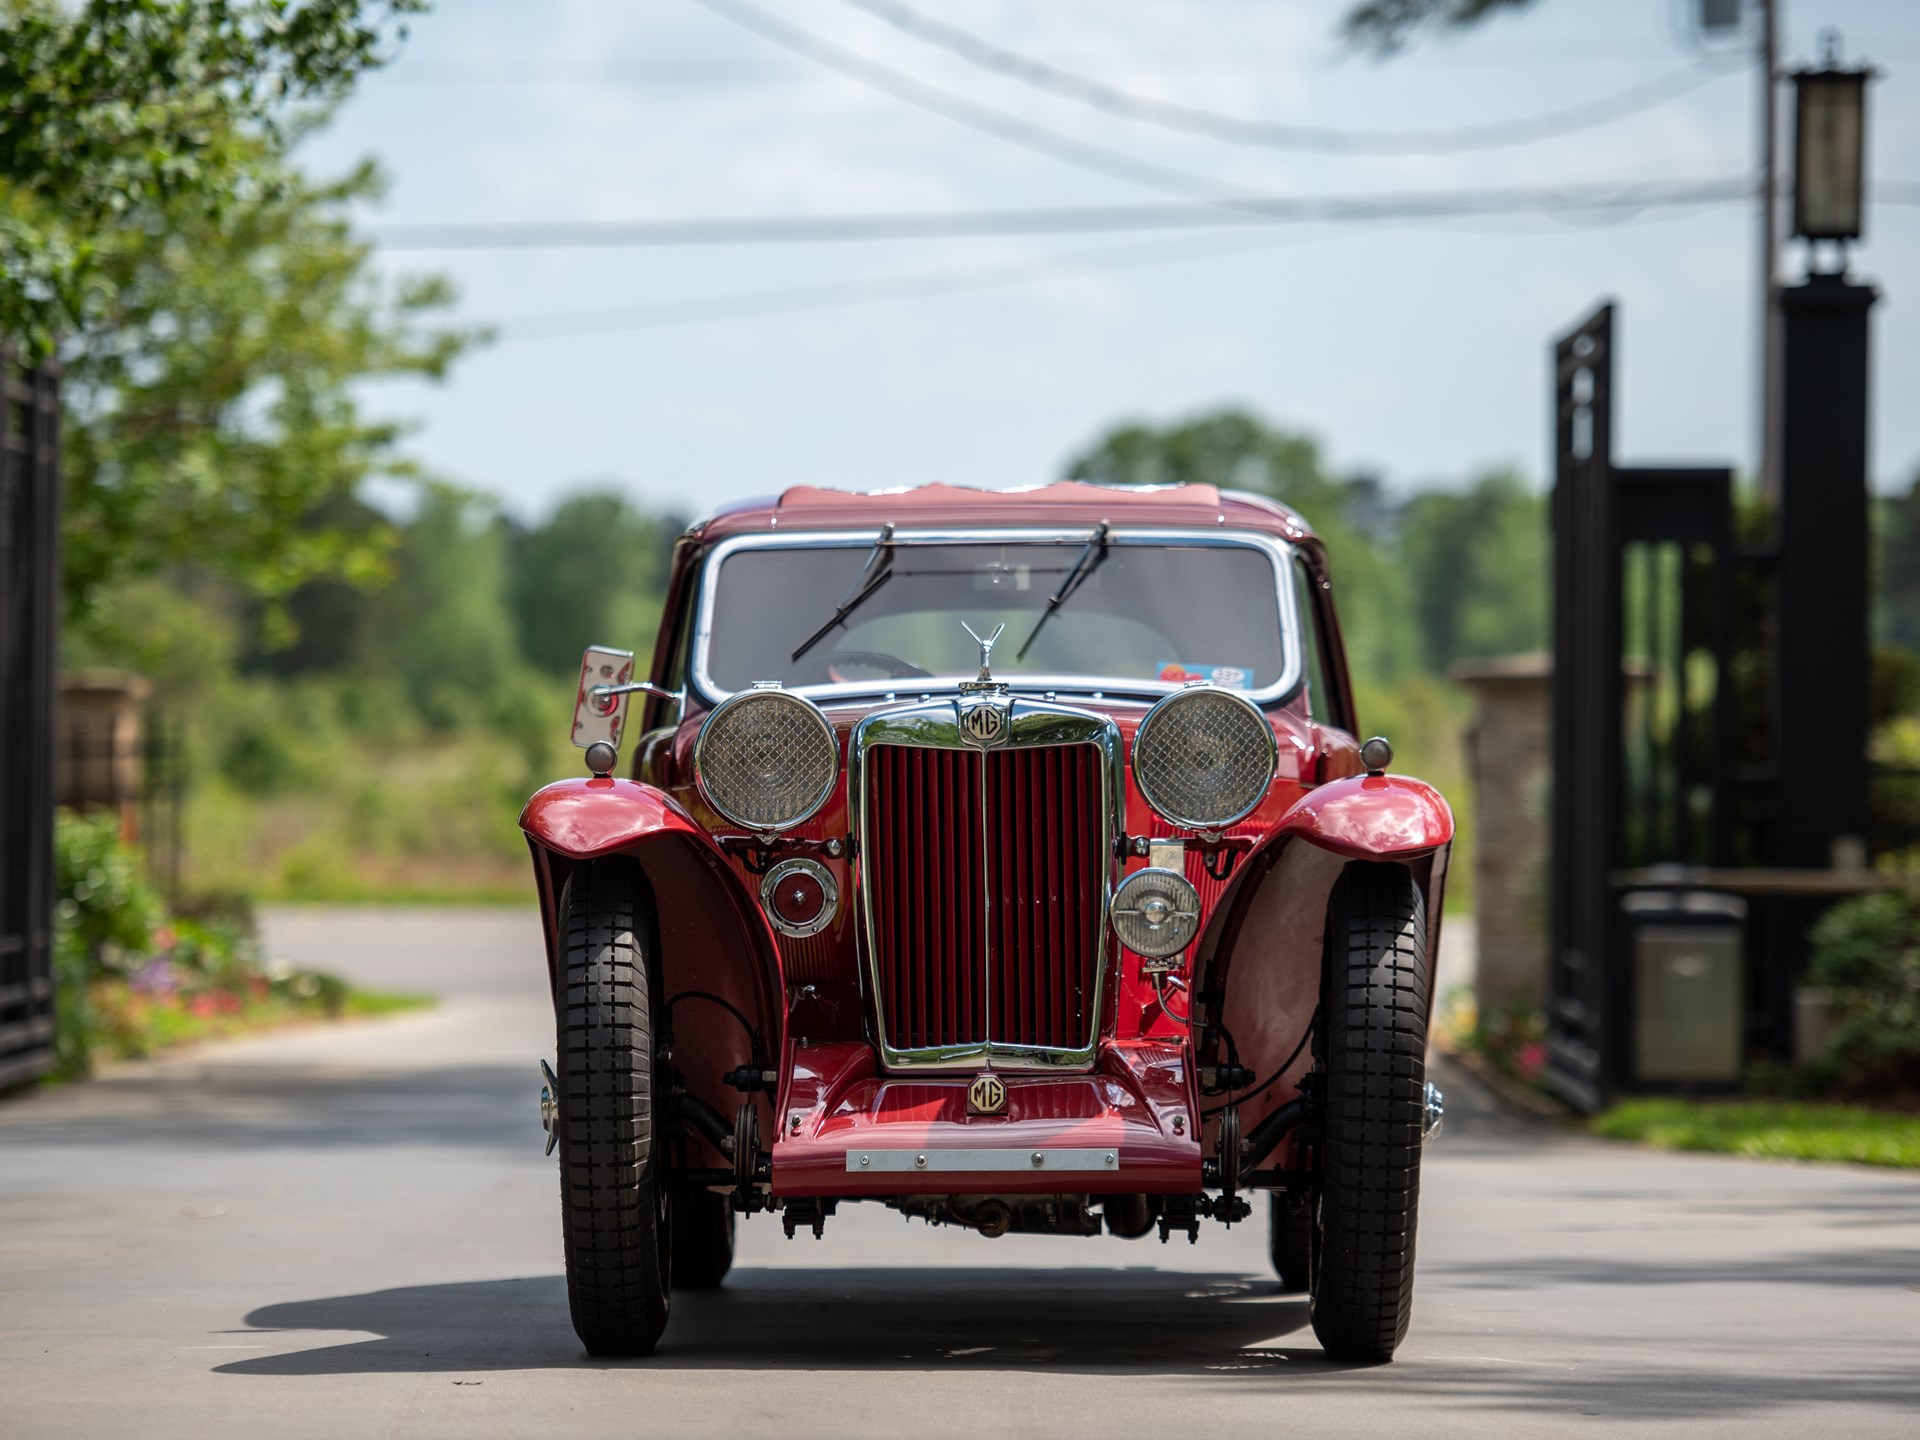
[[1139, 1321], [1219, 1328]]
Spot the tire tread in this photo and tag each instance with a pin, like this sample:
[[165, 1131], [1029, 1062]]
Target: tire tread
[[1374, 1104], [617, 1282]]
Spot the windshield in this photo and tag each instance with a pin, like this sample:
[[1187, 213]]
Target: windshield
[[1155, 612]]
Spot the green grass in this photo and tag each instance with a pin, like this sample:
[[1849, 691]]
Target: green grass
[[361, 1004], [1773, 1130]]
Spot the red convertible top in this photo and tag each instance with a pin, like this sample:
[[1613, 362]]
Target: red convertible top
[[1070, 502]]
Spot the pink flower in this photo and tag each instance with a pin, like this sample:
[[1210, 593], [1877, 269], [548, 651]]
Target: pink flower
[[1531, 1059]]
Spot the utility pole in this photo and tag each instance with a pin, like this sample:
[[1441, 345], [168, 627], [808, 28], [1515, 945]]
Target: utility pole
[[1769, 250]]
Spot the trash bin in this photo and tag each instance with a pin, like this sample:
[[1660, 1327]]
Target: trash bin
[[1689, 976]]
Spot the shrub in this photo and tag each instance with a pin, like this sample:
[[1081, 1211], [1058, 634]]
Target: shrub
[[1866, 953]]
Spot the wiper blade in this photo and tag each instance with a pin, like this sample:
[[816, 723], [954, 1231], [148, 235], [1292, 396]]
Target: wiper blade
[[1091, 555], [875, 573]]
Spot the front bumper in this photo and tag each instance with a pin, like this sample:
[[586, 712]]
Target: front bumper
[[1129, 1126]]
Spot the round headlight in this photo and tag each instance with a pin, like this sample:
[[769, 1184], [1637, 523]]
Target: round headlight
[[765, 759], [1204, 757], [1155, 912]]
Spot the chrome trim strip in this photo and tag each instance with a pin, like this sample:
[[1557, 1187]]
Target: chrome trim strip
[[1278, 551], [935, 725], [980, 1162]]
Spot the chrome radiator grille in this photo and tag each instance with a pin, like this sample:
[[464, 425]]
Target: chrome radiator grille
[[985, 877]]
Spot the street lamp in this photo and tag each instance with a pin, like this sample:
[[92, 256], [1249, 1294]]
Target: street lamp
[[1829, 145]]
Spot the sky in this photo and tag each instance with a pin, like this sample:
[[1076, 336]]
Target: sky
[[1415, 351]]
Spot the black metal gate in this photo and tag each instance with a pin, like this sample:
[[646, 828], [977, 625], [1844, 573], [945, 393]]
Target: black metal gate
[[29, 604], [1644, 575]]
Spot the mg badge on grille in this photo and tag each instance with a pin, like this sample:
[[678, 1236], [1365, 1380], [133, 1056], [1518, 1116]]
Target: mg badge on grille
[[983, 723], [987, 1095]]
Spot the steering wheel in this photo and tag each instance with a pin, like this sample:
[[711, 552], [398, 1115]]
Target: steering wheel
[[891, 666]]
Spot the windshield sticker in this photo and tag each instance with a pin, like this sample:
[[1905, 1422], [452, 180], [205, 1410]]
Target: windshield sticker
[[1227, 677]]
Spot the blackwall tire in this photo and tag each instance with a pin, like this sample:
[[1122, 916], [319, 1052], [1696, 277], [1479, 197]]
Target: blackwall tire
[[702, 1239], [612, 1202], [1375, 1048], [1290, 1242]]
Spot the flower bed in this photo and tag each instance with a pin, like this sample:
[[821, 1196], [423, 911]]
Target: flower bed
[[134, 978]]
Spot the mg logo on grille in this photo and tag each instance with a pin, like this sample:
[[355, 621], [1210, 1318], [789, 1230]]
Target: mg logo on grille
[[987, 1095], [984, 724]]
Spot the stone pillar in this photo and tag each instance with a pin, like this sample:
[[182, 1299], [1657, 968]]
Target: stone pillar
[[99, 754], [1510, 761]]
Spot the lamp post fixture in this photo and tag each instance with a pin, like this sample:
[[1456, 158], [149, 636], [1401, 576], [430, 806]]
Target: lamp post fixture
[[1829, 149]]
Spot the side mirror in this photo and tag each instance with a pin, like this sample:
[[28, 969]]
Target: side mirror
[[599, 706]]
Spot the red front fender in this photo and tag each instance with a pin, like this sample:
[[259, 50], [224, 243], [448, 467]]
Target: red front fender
[[713, 940], [1372, 817]]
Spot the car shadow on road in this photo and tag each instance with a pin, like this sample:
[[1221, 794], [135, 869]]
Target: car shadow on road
[[1135, 1320]]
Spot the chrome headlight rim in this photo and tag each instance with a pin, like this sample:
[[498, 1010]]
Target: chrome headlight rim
[[1121, 912], [762, 694], [1269, 745]]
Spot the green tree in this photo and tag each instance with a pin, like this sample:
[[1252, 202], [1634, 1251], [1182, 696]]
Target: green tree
[[114, 110], [442, 626], [1477, 569], [1897, 537], [592, 574], [1385, 26], [1236, 449], [212, 410]]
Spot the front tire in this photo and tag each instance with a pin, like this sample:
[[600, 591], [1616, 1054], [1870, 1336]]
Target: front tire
[[1375, 1054], [612, 1199]]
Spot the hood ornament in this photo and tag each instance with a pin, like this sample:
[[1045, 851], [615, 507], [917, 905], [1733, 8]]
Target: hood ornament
[[985, 642], [985, 704]]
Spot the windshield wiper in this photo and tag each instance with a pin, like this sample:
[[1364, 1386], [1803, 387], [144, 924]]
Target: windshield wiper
[[875, 573], [1091, 555]]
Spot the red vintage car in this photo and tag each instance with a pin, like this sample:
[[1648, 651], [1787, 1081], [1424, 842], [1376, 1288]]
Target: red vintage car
[[1006, 858]]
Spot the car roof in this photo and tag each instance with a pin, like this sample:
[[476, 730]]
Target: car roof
[[1062, 502]]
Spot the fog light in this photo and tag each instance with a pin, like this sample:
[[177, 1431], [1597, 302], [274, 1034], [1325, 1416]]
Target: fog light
[[800, 897], [1156, 912]]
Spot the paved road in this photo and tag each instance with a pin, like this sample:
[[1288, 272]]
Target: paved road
[[352, 1231]]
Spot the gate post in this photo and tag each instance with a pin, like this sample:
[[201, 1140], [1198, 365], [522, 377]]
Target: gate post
[[29, 609]]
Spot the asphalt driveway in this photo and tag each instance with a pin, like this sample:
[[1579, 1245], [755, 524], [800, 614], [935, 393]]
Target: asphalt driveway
[[352, 1230]]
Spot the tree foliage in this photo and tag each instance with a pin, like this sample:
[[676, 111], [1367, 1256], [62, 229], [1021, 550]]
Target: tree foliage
[[1385, 26], [1420, 583], [211, 407], [114, 110], [593, 573]]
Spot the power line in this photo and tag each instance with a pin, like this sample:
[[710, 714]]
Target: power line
[[1242, 130], [879, 289], [1247, 210], [1084, 154]]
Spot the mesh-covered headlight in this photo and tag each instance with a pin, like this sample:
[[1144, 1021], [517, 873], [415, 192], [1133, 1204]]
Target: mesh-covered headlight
[[1204, 757], [766, 759], [1155, 912]]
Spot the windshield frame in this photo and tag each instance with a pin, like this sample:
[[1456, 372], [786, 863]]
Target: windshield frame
[[1279, 553]]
